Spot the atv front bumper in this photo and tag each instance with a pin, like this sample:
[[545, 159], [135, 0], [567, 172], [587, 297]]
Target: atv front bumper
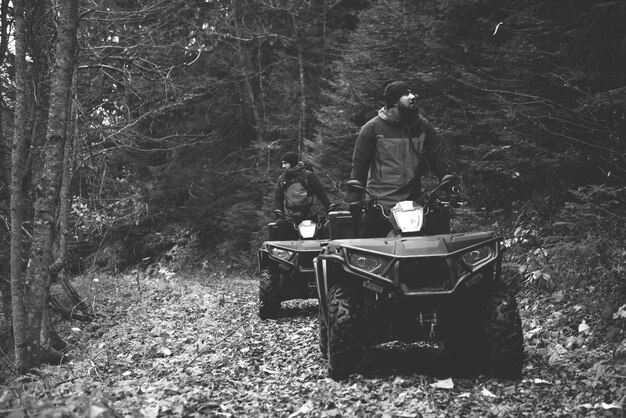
[[428, 271], [290, 255]]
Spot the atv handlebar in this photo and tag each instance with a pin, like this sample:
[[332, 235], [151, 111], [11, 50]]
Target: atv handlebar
[[428, 199]]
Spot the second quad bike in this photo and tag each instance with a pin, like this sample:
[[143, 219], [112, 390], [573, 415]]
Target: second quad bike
[[409, 286], [286, 259]]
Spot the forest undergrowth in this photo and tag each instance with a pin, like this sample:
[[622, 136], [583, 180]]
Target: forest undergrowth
[[167, 341]]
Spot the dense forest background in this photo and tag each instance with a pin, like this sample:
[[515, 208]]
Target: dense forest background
[[180, 111]]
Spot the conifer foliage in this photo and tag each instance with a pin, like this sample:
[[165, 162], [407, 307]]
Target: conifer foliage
[[180, 111]]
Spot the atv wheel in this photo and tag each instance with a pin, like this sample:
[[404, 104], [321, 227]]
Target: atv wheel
[[504, 337], [486, 336], [323, 335], [269, 298], [464, 341], [345, 331]]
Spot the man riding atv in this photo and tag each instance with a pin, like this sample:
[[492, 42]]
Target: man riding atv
[[407, 278], [295, 192], [389, 156], [295, 239]]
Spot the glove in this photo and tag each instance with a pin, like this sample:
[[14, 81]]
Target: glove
[[356, 196], [356, 208], [280, 216]]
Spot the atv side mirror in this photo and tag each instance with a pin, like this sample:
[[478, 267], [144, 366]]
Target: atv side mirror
[[446, 182], [355, 185], [447, 179]]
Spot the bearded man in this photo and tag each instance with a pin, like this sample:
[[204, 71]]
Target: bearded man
[[390, 156]]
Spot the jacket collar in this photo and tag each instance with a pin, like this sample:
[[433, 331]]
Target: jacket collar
[[294, 170], [391, 116]]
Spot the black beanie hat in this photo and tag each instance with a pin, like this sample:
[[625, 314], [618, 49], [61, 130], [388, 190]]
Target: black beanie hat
[[394, 91], [291, 158]]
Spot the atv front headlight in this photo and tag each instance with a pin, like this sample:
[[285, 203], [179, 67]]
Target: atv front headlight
[[281, 253], [477, 256], [408, 216], [307, 228], [368, 262]]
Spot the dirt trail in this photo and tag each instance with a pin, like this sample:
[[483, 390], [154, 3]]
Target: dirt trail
[[194, 346]]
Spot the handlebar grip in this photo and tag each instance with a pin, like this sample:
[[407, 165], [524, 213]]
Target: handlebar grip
[[355, 207]]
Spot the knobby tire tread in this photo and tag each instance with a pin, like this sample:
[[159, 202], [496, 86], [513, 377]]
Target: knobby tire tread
[[345, 331], [503, 327], [269, 296], [323, 336]]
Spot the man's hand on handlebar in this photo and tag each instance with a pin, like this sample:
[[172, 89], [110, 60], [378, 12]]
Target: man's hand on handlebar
[[355, 207], [356, 196], [280, 216], [333, 207]]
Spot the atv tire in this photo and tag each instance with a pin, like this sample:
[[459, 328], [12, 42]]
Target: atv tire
[[486, 336], [345, 331], [323, 335], [504, 337], [269, 295], [464, 341]]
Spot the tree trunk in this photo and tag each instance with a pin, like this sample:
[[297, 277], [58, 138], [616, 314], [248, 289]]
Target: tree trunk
[[5, 174], [247, 72], [5, 314], [302, 124], [37, 344], [65, 204], [17, 162], [65, 198], [262, 105], [40, 24], [4, 147]]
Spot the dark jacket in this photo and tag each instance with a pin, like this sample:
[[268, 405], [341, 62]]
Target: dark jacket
[[313, 184], [389, 158]]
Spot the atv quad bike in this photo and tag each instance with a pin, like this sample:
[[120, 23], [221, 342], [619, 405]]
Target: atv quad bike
[[413, 287], [286, 260]]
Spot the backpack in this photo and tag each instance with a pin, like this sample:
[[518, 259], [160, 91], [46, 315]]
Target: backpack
[[297, 201]]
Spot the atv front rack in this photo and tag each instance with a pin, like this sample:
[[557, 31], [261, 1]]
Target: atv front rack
[[438, 265]]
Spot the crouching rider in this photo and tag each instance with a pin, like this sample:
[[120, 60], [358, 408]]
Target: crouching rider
[[295, 193]]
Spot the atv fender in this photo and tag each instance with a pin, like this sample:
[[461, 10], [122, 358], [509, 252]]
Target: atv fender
[[329, 271], [263, 258]]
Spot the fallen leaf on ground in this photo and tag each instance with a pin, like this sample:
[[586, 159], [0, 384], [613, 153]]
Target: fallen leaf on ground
[[583, 328], [443, 384], [304, 409], [486, 392], [614, 405]]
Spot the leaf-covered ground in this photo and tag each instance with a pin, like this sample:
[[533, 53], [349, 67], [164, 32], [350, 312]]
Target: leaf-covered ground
[[192, 345]]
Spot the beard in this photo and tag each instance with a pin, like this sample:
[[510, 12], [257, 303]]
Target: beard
[[408, 115]]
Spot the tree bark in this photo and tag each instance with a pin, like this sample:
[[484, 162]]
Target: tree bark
[[5, 163], [65, 204], [37, 343], [60, 250], [302, 124], [17, 162], [247, 72]]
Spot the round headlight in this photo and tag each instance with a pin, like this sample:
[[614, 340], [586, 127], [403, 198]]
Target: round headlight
[[281, 253], [476, 256], [367, 262]]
